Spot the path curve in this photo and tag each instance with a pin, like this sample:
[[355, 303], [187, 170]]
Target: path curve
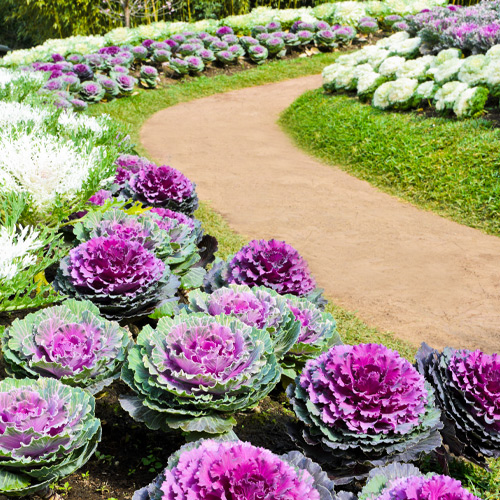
[[400, 268]]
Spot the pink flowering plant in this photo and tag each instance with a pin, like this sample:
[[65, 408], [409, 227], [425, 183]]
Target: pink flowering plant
[[239, 471], [467, 385], [258, 307], [192, 372], [70, 342], [405, 482], [363, 406], [48, 430]]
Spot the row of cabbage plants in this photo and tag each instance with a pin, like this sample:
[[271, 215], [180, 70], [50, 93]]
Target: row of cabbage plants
[[337, 13], [473, 29], [215, 343], [391, 76]]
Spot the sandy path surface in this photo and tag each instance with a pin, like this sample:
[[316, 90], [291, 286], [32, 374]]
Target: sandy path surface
[[400, 268]]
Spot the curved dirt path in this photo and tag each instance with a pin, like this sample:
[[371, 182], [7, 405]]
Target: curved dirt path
[[400, 268]]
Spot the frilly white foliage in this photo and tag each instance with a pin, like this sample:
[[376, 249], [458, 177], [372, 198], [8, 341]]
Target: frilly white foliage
[[18, 247], [415, 68], [16, 113], [426, 90], [45, 166], [472, 70], [391, 66], [8, 76], [381, 96], [447, 95], [395, 94], [392, 42], [470, 101], [368, 82], [446, 71], [407, 48]]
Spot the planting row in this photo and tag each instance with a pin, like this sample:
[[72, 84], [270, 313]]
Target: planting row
[[391, 76], [342, 13]]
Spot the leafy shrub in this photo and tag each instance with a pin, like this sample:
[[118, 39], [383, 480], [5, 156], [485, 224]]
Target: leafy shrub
[[194, 370], [47, 431], [243, 472], [468, 392], [363, 406], [70, 342]]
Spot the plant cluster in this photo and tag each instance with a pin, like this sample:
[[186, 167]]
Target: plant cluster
[[473, 29], [391, 76]]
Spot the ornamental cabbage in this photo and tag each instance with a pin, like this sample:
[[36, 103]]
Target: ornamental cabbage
[[47, 431], [149, 76], [240, 471], [406, 482], [273, 264], [162, 186], [257, 54], [121, 277], [194, 370], [363, 406], [69, 342], [258, 307], [468, 392], [91, 91]]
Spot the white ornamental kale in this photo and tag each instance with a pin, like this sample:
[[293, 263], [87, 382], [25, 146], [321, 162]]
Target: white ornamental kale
[[492, 77], [415, 68], [470, 102], [493, 54], [447, 95], [8, 77], [368, 82], [392, 42], [472, 70], [19, 247], [446, 71], [391, 65], [47, 431], [425, 91], [375, 56], [45, 166], [397, 94], [70, 342], [337, 77], [448, 54], [408, 48]]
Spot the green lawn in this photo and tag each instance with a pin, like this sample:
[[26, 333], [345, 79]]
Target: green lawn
[[445, 165], [133, 111]]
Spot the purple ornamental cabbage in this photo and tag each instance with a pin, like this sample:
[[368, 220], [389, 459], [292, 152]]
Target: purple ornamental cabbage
[[187, 49], [273, 264], [257, 30], [47, 431], [361, 406], [195, 370], [388, 21], [467, 385], [345, 34], [127, 165], [118, 70], [126, 84], [275, 47], [140, 53], [55, 84], [180, 66], [321, 25], [163, 186], [70, 83], [161, 56], [121, 277], [247, 41], [177, 39], [291, 40], [149, 76], [317, 334], [400, 26], [92, 91], [367, 27], [83, 71], [109, 85], [74, 58], [237, 50], [206, 55], [326, 38], [224, 30], [225, 56], [305, 36], [178, 217], [406, 482], [112, 50], [196, 64], [57, 57], [230, 39], [79, 105], [239, 471], [101, 197], [259, 307], [273, 26], [218, 45], [69, 342]]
